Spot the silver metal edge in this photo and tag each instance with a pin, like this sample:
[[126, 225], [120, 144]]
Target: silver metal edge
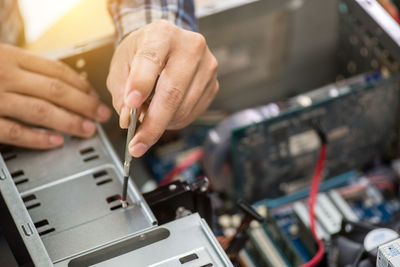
[[214, 241], [382, 18], [22, 219]]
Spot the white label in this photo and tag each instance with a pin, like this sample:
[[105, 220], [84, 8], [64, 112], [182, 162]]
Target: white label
[[302, 143]]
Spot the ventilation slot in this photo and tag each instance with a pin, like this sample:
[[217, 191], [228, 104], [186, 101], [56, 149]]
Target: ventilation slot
[[9, 156], [119, 206], [7, 152], [91, 158], [207, 265], [188, 258], [41, 223], [88, 155], [33, 206], [17, 174], [18, 177], [106, 181], [5, 149], [86, 151], [113, 198], [28, 198], [99, 174], [31, 201], [45, 232], [21, 181]]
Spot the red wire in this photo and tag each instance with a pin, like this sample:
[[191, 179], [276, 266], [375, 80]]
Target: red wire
[[312, 200], [189, 161]]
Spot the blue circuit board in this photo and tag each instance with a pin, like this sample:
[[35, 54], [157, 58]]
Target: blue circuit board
[[370, 207], [285, 222]]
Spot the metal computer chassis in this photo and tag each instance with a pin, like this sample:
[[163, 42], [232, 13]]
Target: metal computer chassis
[[61, 207]]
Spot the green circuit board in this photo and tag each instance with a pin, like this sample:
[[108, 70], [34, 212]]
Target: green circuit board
[[360, 117]]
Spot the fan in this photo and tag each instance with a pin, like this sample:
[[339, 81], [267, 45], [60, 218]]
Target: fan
[[356, 245]]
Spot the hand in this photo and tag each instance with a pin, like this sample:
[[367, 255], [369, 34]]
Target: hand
[[39, 92], [177, 64]]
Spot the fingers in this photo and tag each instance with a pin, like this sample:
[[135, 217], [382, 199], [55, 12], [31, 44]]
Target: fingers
[[169, 94], [186, 73], [201, 106], [41, 113], [187, 113], [145, 69], [16, 134], [147, 63], [200, 90], [51, 68], [62, 94]]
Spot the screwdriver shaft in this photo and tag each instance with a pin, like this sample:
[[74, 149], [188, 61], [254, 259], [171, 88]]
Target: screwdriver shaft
[[128, 157]]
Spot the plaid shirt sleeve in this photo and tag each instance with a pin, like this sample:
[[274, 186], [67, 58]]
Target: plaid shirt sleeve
[[129, 15]]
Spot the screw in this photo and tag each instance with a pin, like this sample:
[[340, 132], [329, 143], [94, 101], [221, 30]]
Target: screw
[[172, 187]]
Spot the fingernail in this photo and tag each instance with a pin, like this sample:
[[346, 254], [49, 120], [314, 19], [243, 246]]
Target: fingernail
[[124, 118], [103, 112], [56, 140], [88, 126], [134, 99], [138, 150]]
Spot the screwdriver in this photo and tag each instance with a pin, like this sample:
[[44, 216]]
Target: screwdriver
[[128, 156]]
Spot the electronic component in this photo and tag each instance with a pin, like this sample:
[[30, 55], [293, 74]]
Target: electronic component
[[178, 199], [258, 151], [342, 206], [344, 210], [389, 254], [265, 247], [284, 148]]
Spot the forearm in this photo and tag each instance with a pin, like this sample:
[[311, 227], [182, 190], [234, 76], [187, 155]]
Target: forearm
[[129, 15]]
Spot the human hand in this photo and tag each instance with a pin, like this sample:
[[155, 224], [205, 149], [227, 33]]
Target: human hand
[[177, 64], [39, 92]]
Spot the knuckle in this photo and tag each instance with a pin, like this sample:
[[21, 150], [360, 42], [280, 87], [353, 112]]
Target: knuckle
[[164, 25], [213, 91], [174, 97], [214, 64], [14, 132], [216, 88], [150, 54], [199, 42], [61, 68], [56, 88], [182, 114], [40, 110], [152, 136]]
